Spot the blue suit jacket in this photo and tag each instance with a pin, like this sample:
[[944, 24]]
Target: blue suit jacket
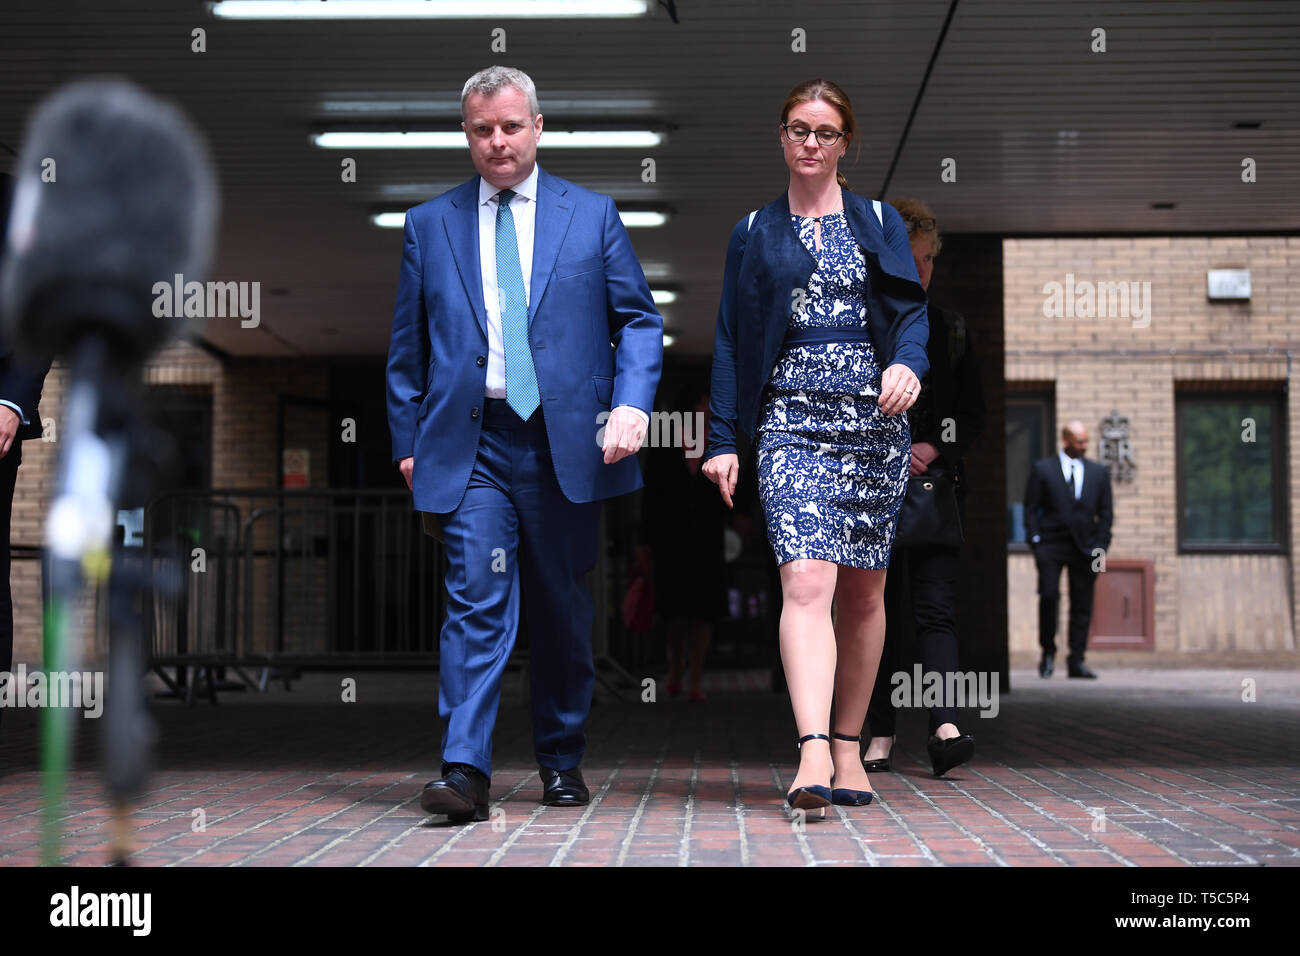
[[766, 263], [596, 337], [20, 379]]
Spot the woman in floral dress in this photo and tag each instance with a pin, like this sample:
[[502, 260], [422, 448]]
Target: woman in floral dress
[[819, 351]]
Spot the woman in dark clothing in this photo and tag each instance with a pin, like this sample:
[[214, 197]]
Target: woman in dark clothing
[[947, 417], [683, 522]]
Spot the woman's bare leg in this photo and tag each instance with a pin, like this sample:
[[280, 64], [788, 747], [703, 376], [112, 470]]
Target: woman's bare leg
[[859, 638], [808, 654]]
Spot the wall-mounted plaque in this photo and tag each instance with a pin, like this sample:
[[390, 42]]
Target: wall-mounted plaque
[[1117, 447]]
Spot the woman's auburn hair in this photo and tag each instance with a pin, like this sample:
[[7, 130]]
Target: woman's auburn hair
[[811, 90]]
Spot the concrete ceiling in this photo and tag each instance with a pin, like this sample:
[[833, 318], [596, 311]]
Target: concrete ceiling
[[1048, 136]]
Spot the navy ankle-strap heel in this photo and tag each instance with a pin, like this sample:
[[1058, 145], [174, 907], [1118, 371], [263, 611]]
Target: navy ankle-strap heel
[[843, 796], [814, 796]]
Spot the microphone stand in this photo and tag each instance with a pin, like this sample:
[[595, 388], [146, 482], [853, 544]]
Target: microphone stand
[[92, 470]]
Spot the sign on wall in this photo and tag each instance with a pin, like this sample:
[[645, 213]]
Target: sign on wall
[[296, 467], [1228, 283]]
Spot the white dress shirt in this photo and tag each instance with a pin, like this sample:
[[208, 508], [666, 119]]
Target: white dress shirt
[[17, 410], [1072, 471], [523, 208]]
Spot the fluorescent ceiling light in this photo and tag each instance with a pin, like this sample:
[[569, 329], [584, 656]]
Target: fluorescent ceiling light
[[423, 9], [619, 189], [632, 219], [664, 296], [642, 218], [419, 190], [397, 102], [447, 139]]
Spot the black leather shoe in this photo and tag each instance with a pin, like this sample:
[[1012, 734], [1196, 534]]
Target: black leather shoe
[[1045, 665], [462, 793], [946, 754], [563, 788], [881, 764], [1081, 670]]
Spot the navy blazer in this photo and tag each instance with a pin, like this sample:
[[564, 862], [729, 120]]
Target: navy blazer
[[758, 297], [587, 293]]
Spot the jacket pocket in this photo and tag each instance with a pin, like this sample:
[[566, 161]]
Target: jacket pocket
[[604, 389], [578, 266], [428, 392]]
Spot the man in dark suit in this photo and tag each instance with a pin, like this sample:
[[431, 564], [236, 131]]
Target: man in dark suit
[[523, 323], [1067, 518], [20, 392]]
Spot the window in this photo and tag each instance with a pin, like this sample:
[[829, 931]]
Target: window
[[184, 414], [1231, 449], [181, 417], [1030, 426]]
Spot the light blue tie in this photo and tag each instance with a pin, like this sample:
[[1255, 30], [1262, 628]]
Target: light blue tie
[[521, 377]]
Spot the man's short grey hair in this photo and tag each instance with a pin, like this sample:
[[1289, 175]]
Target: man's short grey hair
[[496, 78]]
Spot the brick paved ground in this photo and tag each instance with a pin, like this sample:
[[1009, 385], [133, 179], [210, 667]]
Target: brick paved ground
[[1183, 770]]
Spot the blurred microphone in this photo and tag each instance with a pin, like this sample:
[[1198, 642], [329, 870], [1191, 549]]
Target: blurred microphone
[[115, 192]]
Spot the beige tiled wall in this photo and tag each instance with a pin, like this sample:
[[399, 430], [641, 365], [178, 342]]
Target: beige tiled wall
[[1104, 363]]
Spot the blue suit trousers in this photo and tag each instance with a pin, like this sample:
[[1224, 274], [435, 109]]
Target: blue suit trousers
[[517, 544]]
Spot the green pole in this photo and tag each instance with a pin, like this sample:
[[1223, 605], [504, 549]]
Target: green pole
[[56, 734]]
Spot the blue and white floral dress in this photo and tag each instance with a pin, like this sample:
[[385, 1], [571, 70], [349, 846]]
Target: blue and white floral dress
[[832, 467]]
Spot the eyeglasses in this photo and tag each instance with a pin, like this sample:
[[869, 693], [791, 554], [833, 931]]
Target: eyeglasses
[[925, 225], [826, 137]]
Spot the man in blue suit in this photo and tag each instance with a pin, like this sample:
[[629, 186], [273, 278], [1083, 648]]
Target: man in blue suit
[[20, 419], [523, 324]]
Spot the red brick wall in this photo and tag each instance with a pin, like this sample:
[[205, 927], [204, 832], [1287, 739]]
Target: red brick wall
[[245, 393]]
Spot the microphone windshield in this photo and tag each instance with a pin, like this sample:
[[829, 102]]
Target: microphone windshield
[[115, 193]]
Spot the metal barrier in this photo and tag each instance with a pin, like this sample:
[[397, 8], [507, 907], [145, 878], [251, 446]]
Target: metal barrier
[[289, 578]]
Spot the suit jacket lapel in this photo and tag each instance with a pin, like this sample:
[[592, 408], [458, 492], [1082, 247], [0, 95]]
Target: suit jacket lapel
[[461, 224], [550, 226]]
